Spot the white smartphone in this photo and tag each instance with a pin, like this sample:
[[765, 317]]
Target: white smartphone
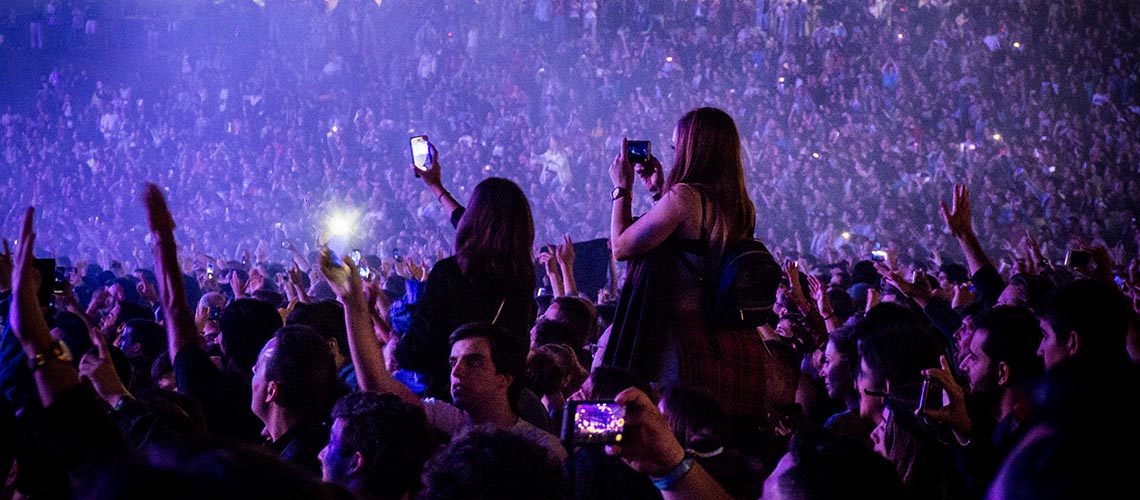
[[420, 151]]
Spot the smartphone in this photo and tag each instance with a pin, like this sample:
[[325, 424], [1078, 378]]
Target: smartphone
[[420, 151], [638, 151], [879, 255], [931, 396], [396, 255], [61, 278], [356, 257], [1077, 258], [46, 268], [593, 423], [209, 271], [285, 244], [215, 313]]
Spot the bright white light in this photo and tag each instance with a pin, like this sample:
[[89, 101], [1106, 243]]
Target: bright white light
[[341, 224], [1017, 45], [815, 155], [669, 59], [900, 36], [997, 137], [846, 235]]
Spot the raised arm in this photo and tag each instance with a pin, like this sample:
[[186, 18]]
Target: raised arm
[[53, 374], [961, 226], [364, 348], [179, 319], [433, 181], [629, 239]]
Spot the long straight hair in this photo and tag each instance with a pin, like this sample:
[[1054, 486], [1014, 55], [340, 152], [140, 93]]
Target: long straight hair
[[494, 238], [709, 158]]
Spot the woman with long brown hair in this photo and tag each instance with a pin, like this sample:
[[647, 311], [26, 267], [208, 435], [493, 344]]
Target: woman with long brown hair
[[660, 329], [489, 279]]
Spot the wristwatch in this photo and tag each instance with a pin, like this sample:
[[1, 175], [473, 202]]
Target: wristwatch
[[55, 351], [619, 192]]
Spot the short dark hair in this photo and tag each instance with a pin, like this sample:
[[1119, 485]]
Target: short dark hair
[[304, 369], [326, 318], [247, 324], [553, 332], [897, 344], [1013, 337], [508, 351], [486, 462], [579, 316], [393, 437], [270, 297], [955, 273], [1037, 288], [149, 335], [1094, 309]]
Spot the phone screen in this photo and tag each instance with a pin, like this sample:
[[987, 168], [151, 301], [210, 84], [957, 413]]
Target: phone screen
[[931, 396], [638, 151], [420, 151], [593, 422], [878, 255]]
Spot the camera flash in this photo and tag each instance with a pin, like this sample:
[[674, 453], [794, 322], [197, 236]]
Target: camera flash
[[900, 36], [997, 137], [846, 235], [669, 59], [815, 155], [1017, 45]]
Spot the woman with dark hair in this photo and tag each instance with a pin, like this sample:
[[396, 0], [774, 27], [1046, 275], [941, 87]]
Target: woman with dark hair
[[489, 279], [660, 329]]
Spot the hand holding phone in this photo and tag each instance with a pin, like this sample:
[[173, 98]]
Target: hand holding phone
[[638, 152], [931, 396], [593, 423], [1078, 258]]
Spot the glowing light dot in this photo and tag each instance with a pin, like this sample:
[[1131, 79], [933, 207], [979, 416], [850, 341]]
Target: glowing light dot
[[846, 235]]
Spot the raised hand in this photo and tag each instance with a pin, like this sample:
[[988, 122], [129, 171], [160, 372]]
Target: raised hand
[[431, 176], [953, 413], [97, 367], [652, 175], [565, 252], [621, 170], [237, 284], [343, 278], [957, 216]]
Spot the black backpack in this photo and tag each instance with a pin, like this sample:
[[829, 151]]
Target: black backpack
[[740, 290]]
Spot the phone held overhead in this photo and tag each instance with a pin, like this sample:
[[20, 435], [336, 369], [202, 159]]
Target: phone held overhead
[[420, 151]]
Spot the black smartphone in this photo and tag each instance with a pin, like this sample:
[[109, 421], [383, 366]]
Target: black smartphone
[[638, 151], [215, 313], [396, 255], [46, 267], [593, 423], [209, 271], [420, 151], [931, 396], [1078, 258]]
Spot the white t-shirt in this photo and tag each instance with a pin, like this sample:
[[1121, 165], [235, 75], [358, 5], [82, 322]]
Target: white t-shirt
[[447, 418]]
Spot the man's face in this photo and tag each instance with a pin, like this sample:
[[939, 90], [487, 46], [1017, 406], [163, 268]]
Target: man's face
[[1051, 350], [962, 337], [870, 407], [980, 369], [474, 378], [879, 433], [259, 403], [336, 462]]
